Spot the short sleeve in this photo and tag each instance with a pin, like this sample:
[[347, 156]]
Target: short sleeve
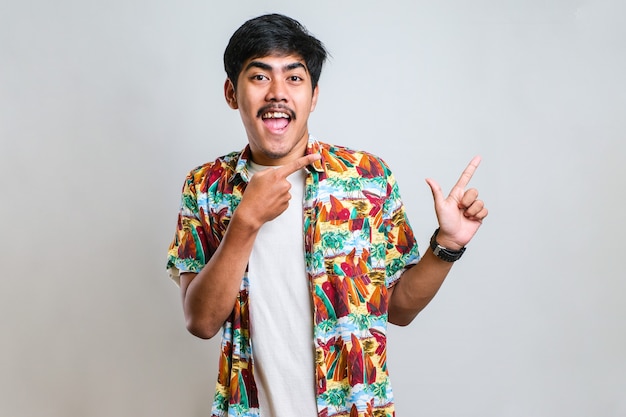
[[402, 250], [188, 249]]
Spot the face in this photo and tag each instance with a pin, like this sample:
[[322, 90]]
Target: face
[[274, 97]]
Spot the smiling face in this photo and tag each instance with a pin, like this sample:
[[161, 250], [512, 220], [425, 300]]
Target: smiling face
[[274, 97]]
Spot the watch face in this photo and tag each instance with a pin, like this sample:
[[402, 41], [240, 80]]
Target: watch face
[[438, 251], [446, 254]]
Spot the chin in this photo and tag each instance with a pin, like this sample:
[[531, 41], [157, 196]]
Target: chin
[[279, 151], [276, 154]]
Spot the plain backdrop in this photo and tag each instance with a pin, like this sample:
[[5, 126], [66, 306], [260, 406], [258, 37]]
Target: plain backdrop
[[106, 105]]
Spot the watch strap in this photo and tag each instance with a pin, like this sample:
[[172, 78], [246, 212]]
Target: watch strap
[[443, 253]]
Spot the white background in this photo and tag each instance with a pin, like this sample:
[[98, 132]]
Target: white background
[[105, 106]]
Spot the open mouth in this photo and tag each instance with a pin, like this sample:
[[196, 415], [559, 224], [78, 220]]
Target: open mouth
[[276, 120]]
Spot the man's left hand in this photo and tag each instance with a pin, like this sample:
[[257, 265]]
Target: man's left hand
[[461, 213]]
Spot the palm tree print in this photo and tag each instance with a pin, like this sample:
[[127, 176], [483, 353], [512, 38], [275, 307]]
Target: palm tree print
[[357, 243]]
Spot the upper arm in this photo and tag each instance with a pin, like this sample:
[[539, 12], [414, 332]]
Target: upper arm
[[185, 280], [189, 247]]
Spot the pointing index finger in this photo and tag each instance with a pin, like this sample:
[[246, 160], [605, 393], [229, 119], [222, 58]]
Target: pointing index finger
[[467, 174], [298, 164]]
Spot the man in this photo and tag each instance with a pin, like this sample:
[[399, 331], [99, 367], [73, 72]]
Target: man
[[301, 251]]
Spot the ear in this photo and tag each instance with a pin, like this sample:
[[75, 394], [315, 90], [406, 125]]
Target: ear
[[230, 94], [316, 92]]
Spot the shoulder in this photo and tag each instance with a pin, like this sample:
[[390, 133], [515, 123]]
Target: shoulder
[[209, 173]]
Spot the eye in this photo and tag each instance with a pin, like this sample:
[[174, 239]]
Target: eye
[[295, 79], [259, 77]]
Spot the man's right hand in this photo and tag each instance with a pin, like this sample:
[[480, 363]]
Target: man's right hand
[[267, 194], [209, 296]]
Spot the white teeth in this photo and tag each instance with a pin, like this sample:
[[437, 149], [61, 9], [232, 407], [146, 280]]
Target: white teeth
[[275, 115]]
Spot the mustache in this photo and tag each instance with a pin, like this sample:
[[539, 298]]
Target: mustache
[[276, 107]]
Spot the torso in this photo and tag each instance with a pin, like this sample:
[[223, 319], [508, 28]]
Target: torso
[[281, 313]]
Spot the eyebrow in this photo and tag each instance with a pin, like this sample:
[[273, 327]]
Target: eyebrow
[[267, 67]]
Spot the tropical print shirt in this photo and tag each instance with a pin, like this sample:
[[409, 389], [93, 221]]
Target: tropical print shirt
[[358, 241]]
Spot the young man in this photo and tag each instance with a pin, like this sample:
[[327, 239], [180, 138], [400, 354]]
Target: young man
[[301, 251]]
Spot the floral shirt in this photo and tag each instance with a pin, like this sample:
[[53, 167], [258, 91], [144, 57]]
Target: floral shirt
[[358, 241]]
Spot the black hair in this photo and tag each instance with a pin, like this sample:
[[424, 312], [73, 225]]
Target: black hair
[[271, 34]]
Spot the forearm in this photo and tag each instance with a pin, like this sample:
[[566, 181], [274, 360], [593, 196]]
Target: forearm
[[416, 288], [209, 296]]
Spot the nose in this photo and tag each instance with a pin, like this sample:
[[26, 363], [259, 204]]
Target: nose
[[277, 91]]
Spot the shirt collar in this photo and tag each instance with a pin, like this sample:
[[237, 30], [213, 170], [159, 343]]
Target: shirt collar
[[241, 169], [315, 147]]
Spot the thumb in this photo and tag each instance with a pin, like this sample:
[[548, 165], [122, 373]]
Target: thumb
[[436, 190]]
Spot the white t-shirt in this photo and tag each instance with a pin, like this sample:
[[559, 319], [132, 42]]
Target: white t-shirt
[[281, 313]]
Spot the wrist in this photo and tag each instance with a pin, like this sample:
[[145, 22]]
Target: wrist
[[444, 252], [245, 221], [444, 240]]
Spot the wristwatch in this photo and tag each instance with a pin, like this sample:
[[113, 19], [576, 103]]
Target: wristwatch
[[442, 253]]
